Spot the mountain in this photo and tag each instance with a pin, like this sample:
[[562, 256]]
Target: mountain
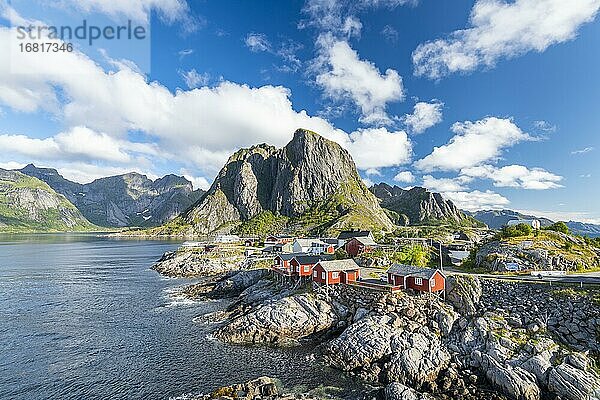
[[418, 206], [310, 185], [585, 229], [123, 200], [496, 219], [28, 204]]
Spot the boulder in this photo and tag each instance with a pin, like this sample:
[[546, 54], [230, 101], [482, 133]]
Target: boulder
[[417, 358], [463, 292], [280, 322], [572, 383], [362, 343], [397, 391]]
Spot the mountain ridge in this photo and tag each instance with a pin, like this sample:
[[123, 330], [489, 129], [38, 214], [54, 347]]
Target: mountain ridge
[[28, 204], [419, 206], [130, 199], [309, 185]]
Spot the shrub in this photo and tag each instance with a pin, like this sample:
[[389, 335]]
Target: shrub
[[559, 226], [516, 231]]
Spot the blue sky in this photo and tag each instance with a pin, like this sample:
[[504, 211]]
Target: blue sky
[[492, 103]]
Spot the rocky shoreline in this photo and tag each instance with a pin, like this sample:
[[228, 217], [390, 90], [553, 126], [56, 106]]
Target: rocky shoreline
[[489, 340]]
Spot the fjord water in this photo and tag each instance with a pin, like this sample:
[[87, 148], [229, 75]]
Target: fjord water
[[83, 317]]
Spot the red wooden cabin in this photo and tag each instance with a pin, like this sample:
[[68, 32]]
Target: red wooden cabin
[[302, 265], [417, 278], [282, 262], [335, 272], [359, 245]]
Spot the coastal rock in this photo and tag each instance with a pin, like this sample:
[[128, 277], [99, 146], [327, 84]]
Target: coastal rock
[[362, 343], [263, 388], [514, 381], [281, 322], [463, 292], [417, 358], [187, 263], [397, 391], [238, 282], [572, 383]]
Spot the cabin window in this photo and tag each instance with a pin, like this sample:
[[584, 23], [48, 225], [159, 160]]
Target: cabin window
[[432, 282], [277, 260], [306, 269], [335, 275], [323, 275], [418, 281], [315, 274]]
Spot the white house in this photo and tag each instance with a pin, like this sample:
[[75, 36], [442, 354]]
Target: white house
[[227, 239], [534, 223], [310, 246]]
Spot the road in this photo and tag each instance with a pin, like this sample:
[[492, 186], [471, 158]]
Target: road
[[589, 278]]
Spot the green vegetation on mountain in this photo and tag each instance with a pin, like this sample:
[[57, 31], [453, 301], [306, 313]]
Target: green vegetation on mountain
[[29, 205], [309, 186]]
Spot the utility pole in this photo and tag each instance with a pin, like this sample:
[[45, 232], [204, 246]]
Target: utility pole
[[441, 264]]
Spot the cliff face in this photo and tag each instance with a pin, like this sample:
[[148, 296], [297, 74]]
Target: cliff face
[[28, 204], [124, 200], [419, 206], [311, 181]]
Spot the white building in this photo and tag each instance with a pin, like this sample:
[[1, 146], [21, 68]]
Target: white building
[[534, 223], [310, 246], [227, 239]]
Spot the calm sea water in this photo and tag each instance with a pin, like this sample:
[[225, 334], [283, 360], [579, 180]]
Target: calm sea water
[[83, 317]]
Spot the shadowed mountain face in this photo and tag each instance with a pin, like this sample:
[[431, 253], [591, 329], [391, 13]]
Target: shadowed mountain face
[[312, 183], [418, 206], [28, 204], [124, 200]]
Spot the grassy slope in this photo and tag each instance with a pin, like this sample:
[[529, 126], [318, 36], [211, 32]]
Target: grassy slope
[[17, 220]]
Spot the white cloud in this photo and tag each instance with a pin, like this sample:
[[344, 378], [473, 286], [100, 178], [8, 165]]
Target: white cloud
[[424, 116], [516, 176], [501, 29], [185, 52], [77, 143], [257, 42], [194, 79], [373, 172], [170, 11], [202, 126], [12, 165], [404, 177], [378, 147], [477, 200], [544, 126], [583, 151], [446, 184], [390, 33], [368, 183], [344, 77], [473, 144], [198, 182]]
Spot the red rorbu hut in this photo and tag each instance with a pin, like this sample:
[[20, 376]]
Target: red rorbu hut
[[359, 245], [416, 278], [336, 272]]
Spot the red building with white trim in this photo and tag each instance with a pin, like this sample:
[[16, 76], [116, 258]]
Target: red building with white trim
[[336, 272], [416, 278]]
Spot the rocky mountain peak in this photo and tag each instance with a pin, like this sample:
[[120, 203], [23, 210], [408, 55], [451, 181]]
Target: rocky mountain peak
[[309, 171], [418, 205]]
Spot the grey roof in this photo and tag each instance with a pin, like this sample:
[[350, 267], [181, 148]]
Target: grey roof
[[303, 260], [289, 256], [367, 241], [405, 270], [339, 265], [350, 234]]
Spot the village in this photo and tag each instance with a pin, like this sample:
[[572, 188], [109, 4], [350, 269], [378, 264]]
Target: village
[[348, 259]]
